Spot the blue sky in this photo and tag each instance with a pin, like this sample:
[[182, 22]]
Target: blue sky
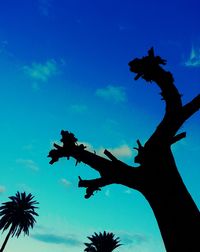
[[64, 65]]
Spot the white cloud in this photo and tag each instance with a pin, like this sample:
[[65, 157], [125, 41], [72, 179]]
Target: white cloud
[[122, 151], [2, 189], [41, 72], [28, 163], [194, 58], [65, 182], [113, 93]]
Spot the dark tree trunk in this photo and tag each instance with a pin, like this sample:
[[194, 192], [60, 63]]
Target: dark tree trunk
[[177, 218], [175, 211]]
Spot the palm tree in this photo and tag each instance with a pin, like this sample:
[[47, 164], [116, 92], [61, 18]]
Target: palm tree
[[102, 242], [17, 215]]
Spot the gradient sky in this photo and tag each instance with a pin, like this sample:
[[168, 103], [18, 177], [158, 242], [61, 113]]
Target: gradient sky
[[64, 65]]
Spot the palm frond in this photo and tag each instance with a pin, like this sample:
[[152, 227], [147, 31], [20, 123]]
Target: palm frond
[[18, 213], [102, 242]]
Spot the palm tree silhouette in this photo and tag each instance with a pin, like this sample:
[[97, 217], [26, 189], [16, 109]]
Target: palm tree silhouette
[[17, 215], [102, 242]]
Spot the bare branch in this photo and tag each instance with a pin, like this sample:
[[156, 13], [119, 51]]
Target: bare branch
[[111, 171], [190, 108], [93, 185], [150, 70], [110, 156], [178, 137]]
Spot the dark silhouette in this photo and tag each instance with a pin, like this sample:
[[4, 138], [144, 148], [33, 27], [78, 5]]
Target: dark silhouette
[[17, 215], [157, 176], [102, 242]]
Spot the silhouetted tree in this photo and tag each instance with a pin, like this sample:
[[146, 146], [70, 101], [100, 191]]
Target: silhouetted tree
[[157, 176], [102, 242], [17, 215]]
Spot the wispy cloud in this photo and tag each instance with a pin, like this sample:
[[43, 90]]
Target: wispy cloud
[[132, 239], [39, 72], [128, 191], [24, 187], [28, 147], [5, 50], [112, 93], [3, 45], [69, 240], [65, 182], [44, 7], [194, 58], [123, 27], [107, 193], [28, 163], [78, 108], [122, 151], [2, 189]]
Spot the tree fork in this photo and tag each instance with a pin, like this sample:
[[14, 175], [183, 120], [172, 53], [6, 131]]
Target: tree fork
[[157, 176]]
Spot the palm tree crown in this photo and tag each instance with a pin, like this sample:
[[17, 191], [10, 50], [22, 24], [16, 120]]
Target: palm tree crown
[[18, 214], [102, 242]]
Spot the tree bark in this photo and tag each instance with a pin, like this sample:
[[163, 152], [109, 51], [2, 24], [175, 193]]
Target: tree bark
[[174, 209], [157, 176]]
